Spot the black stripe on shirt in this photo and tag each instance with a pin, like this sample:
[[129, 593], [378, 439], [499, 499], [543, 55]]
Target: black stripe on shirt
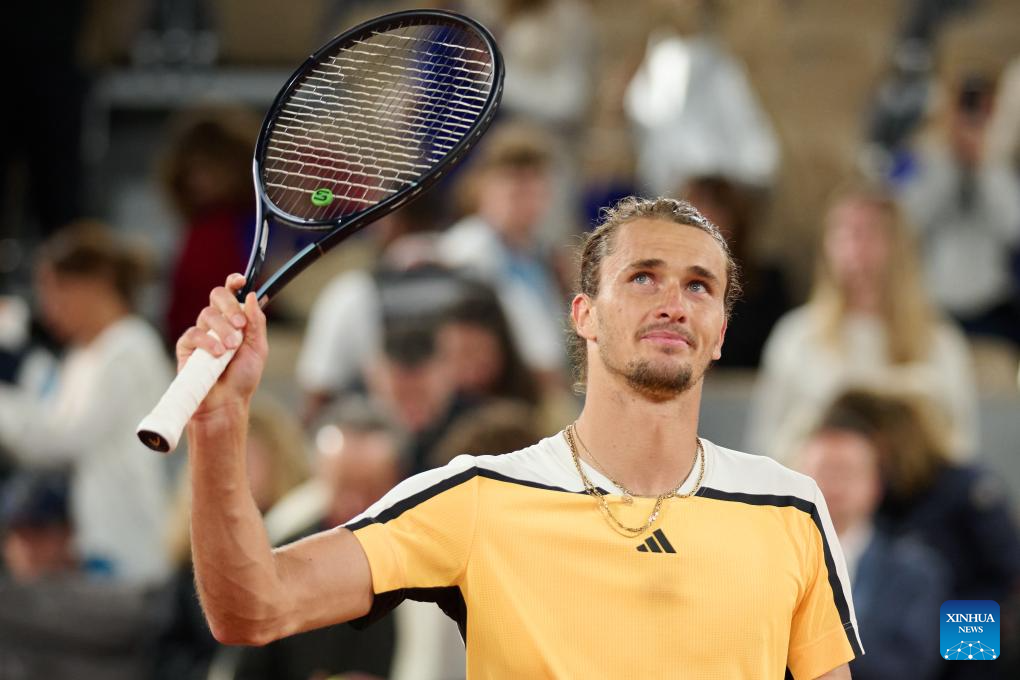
[[400, 507], [449, 598], [809, 508]]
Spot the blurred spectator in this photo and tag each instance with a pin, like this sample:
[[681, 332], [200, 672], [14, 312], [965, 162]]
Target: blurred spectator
[[27, 357], [499, 242], [696, 114], [55, 621], [413, 384], [277, 464], [961, 511], [1002, 141], [38, 539], [206, 173], [26, 349], [475, 336], [345, 323], [550, 58], [898, 583], [765, 295], [114, 372], [967, 209], [495, 428], [868, 322], [358, 460]]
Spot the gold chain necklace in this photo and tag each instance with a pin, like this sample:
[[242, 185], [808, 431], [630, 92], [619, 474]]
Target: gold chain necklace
[[628, 495], [570, 434]]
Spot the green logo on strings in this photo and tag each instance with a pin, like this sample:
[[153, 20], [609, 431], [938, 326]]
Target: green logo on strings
[[322, 197]]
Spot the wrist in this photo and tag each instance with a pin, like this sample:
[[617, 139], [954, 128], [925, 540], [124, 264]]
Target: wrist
[[224, 417]]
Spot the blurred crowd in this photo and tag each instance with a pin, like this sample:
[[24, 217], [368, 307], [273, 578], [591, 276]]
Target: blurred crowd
[[441, 330]]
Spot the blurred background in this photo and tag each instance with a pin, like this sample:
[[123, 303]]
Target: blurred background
[[863, 159]]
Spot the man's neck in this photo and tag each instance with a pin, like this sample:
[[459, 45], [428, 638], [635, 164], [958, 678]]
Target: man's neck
[[648, 445]]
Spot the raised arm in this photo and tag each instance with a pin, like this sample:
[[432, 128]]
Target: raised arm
[[252, 594]]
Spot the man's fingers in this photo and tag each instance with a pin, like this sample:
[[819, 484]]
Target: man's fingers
[[254, 313], [195, 338], [225, 301], [212, 320]]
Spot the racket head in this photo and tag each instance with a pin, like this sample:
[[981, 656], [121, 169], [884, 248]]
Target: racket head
[[375, 117]]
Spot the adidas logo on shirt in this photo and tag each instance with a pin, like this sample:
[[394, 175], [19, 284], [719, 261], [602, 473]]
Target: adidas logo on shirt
[[656, 543]]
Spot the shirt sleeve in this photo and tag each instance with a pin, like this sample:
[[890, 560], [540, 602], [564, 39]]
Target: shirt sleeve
[[823, 634], [418, 537]]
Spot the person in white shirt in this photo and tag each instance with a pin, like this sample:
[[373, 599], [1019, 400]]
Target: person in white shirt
[[499, 243], [114, 371], [868, 322]]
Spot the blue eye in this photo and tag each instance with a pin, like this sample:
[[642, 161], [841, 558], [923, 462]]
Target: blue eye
[[698, 286], [641, 278]]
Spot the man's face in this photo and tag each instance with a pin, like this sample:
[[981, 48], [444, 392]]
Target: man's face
[[659, 318]]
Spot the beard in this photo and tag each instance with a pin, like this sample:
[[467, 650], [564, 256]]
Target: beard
[[644, 377], [659, 382]]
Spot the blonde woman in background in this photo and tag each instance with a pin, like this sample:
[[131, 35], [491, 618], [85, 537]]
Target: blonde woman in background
[[868, 321]]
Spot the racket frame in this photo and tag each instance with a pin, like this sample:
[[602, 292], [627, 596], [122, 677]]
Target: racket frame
[[162, 428], [343, 228]]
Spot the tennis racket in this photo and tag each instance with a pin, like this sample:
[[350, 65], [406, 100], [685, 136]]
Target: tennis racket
[[366, 124]]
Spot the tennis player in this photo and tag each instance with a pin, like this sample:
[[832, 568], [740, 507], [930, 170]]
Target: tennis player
[[623, 546]]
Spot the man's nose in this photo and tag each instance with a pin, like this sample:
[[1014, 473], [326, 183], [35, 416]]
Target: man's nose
[[672, 304]]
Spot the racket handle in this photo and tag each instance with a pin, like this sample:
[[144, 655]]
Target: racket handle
[[161, 429]]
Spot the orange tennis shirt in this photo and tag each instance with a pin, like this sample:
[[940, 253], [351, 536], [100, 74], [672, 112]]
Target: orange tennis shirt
[[745, 579]]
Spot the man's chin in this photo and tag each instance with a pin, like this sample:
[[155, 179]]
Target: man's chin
[[662, 382]]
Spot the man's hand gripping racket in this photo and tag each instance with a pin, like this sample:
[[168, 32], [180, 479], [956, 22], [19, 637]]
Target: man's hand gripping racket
[[368, 123]]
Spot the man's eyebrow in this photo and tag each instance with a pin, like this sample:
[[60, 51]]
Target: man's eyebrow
[[702, 272], [648, 263]]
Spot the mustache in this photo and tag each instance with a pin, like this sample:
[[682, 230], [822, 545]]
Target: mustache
[[669, 328]]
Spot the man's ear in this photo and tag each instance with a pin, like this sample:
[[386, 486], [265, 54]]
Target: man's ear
[[717, 352], [582, 313]]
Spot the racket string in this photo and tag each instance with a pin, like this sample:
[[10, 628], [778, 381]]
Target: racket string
[[370, 136], [329, 114], [348, 57], [386, 106], [329, 121], [404, 120], [487, 65], [331, 147]]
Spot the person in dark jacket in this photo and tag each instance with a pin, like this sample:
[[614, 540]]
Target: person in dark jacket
[[959, 510], [898, 583]]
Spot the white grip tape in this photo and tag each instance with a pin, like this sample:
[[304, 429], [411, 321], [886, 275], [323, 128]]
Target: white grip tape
[[161, 429]]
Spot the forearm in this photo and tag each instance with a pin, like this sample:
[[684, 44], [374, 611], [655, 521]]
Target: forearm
[[235, 570]]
